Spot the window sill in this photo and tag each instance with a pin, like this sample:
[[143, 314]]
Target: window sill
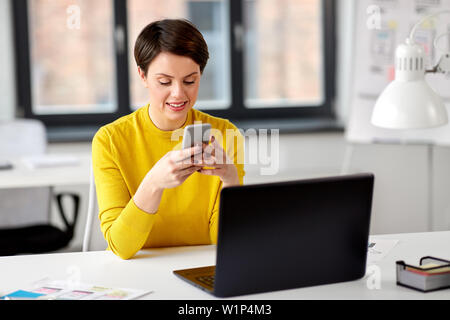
[[71, 134], [286, 126], [292, 125]]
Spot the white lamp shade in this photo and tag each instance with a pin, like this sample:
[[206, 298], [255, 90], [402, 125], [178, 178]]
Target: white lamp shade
[[409, 105], [409, 102]]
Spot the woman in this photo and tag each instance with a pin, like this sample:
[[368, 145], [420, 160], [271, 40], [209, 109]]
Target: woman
[[150, 192]]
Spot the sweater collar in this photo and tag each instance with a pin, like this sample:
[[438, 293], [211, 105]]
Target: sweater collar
[[165, 134]]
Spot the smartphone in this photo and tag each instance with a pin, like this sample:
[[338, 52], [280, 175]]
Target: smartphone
[[196, 134]]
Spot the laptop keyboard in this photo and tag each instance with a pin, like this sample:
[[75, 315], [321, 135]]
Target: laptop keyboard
[[208, 280]]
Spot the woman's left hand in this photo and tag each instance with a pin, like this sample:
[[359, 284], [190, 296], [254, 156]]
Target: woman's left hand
[[215, 157]]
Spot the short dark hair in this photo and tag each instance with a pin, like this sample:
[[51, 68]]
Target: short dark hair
[[176, 36]]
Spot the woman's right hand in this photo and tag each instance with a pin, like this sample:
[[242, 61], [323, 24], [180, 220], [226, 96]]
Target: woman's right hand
[[169, 172], [174, 168]]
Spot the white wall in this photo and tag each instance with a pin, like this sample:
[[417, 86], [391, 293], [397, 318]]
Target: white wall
[[7, 88], [401, 196]]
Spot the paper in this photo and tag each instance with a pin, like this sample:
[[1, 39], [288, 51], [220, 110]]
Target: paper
[[378, 249], [48, 289], [50, 161]]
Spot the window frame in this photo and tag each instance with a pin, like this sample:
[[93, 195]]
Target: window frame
[[23, 71], [236, 111]]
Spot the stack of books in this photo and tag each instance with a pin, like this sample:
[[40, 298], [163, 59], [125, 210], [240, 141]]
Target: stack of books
[[432, 274]]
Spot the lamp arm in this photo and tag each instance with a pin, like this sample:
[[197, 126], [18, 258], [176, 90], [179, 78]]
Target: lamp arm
[[436, 42], [443, 65], [414, 29]]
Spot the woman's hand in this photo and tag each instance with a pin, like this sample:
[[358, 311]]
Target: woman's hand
[[174, 168], [215, 157], [169, 172]]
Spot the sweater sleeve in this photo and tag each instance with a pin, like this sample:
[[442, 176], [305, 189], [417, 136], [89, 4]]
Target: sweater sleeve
[[124, 226], [236, 151]]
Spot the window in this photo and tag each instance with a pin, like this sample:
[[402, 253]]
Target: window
[[210, 17], [72, 65], [288, 72], [269, 60]]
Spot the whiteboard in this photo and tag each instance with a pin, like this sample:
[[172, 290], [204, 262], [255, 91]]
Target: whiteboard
[[381, 25]]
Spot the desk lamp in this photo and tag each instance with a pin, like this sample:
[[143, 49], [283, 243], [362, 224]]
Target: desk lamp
[[409, 102]]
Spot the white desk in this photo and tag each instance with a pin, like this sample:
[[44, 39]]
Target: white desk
[[152, 270], [22, 177]]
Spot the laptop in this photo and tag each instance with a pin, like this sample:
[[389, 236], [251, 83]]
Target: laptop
[[289, 235]]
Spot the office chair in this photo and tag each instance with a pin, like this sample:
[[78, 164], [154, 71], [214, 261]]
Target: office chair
[[90, 214], [24, 212], [93, 238]]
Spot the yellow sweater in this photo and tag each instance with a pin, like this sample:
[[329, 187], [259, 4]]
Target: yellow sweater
[[123, 152]]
